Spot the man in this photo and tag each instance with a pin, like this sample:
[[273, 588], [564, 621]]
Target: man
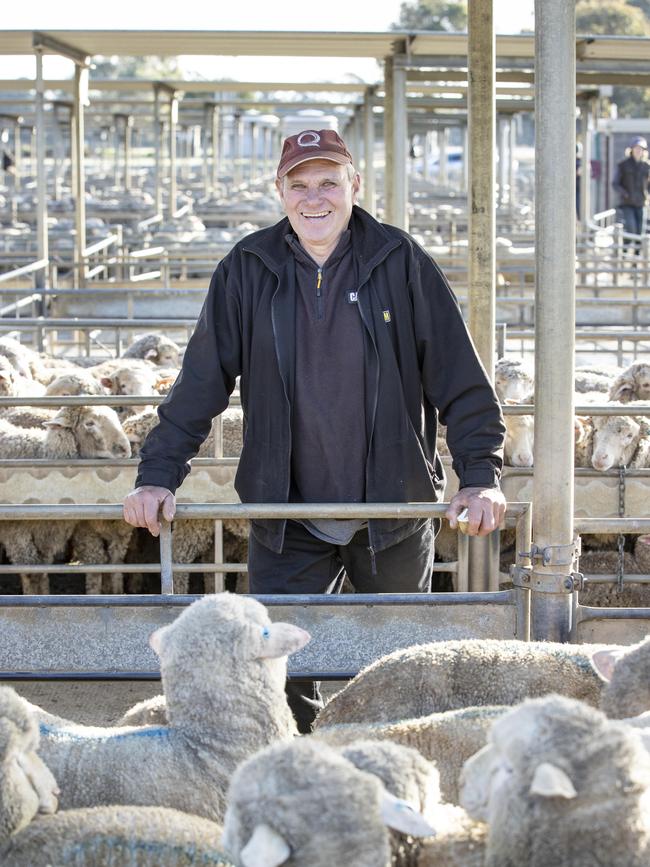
[[349, 343], [631, 183]]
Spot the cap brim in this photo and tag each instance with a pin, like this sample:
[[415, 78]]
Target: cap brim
[[341, 159]]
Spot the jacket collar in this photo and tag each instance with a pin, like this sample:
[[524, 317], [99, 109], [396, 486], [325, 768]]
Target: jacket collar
[[371, 242]]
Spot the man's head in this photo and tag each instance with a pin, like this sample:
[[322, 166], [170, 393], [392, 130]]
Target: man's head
[[638, 148], [317, 185]]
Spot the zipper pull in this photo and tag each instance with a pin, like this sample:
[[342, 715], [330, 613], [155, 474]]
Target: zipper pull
[[373, 562], [319, 280]]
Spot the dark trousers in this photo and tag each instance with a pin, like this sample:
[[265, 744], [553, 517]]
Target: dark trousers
[[309, 565], [633, 222]]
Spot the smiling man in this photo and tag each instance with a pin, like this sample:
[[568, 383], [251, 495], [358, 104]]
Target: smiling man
[[349, 344]]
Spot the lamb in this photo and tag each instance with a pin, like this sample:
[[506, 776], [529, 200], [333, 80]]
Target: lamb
[[447, 675], [513, 380], [594, 379], [22, 358], [305, 803], [632, 384], [624, 672], [223, 666], [92, 837], [642, 554], [75, 382], [14, 384], [99, 541], [86, 432], [156, 348], [138, 426], [560, 784], [621, 440], [584, 440], [448, 738], [520, 436]]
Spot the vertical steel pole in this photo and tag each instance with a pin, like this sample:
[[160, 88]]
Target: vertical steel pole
[[555, 93], [158, 151], [215, 149], [18, 155], [79, 169], [173, 123], [426, 148], [465, 134], [368, 153], [255, 144], [512, 144], [41, 176], [502, 141], [400, 146], [481, 209], [237, 139], [585, 175], [128, 132], [389, 143], [443, 139]]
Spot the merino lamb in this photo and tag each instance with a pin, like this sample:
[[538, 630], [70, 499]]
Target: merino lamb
[[632, 384], [223, 667], [621, 440], [75, 382], [447, 675], [518, 448], [119, 836], [305, 803], [560, 784], [155, 348], [513, 380]]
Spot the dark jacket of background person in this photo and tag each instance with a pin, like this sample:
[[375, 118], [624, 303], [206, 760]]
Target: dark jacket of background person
[[631, 181], [419, 359]]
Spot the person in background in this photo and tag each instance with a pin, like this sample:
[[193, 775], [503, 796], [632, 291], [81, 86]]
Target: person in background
[[631, 183], [349, 344]]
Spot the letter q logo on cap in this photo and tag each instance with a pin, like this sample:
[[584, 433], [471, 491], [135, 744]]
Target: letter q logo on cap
[[308, 139]]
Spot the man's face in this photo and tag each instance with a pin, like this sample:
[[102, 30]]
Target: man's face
[[317, 197], [637, 152]]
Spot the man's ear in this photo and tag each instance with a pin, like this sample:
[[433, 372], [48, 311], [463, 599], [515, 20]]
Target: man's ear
[[279, 186]]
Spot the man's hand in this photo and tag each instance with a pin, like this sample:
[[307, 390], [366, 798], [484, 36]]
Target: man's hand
[[486, 508], [142, 505]]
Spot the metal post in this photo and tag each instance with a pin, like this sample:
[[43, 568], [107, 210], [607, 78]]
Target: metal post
[[116, 150], [255, 143], [173, 122], [443, 140], [128, 126], [426, 148], [368, 186], [481, 207], [389, 144], [502, 143], [237, 139], [158, 150], [585, 174], [555, 80], [215, 149], [512, 144], [18, 153], [465, 133], [78, 173], [354, 142], [41, 177], [400, 150]]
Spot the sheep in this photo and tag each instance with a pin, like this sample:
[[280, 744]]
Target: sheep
[[86, 432], [22, 358], [625, 673], [642, 554], [584, 440], [14, 384], [518, 450], [27, 416], [306, 803], [620, 440], [99, 541], [156, 348], [560, 784], [448, 738], [447, 675], [632, 384], [138, 426], [97, 836], [513, 380], [75, 382], [223, 667], [589, 378]]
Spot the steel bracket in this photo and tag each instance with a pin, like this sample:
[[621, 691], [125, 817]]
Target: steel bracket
[[545, 582], [555, 555]]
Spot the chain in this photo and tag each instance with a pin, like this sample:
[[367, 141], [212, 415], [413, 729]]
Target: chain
[[621, 538]]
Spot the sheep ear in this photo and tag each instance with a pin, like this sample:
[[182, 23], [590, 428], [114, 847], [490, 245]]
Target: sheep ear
[[280, 639], [510, 402], [621, 391], [107, 381], [151, 353], [266, 848], [58, 421], [403, 817], [550, 781], [604, 662], [155, 640]]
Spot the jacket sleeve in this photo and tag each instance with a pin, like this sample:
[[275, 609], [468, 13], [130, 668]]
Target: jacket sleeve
[[616, 182], [454, 380], [211, 364]]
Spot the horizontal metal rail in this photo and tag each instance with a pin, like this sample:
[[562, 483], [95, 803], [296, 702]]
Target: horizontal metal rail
[[94, 399], [26, 323], [40, 265]]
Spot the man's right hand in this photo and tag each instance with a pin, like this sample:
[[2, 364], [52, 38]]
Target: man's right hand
[[142, 505]]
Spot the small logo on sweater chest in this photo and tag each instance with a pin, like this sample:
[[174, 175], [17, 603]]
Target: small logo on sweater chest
[[353, 297], [386, 316]]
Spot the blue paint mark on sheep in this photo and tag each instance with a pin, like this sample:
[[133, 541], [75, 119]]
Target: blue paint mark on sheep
[[102, 844], [57, 733]]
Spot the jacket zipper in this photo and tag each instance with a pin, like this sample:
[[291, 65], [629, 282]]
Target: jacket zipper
[[319, 294]]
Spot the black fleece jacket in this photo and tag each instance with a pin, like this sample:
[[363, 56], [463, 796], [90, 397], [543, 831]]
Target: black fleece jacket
[[420, 364]]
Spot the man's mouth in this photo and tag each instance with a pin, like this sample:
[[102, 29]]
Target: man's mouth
[[319, 215]]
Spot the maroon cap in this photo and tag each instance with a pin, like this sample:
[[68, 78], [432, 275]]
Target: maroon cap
[[312, 144]]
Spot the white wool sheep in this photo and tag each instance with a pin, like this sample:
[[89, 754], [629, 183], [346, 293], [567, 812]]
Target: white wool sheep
[[22, 358], [14, 384], [119, 836], [560, 784], [75, 382], [590, 378], [621, 440], [448, 738], [584, 440], [513, 380], [223, 666], [27, 416], [626, 674], [100, 541], [138, 426], [305, 803], [518, 449], [632, 384], [155, 348], [447, 675]]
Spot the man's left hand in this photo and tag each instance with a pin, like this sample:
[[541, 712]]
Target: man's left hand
[[486, 508]]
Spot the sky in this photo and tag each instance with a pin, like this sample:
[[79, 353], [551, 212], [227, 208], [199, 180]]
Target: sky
[[511, 16]]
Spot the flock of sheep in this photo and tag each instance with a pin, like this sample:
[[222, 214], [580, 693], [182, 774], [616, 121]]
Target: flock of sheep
[[452, 754]]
